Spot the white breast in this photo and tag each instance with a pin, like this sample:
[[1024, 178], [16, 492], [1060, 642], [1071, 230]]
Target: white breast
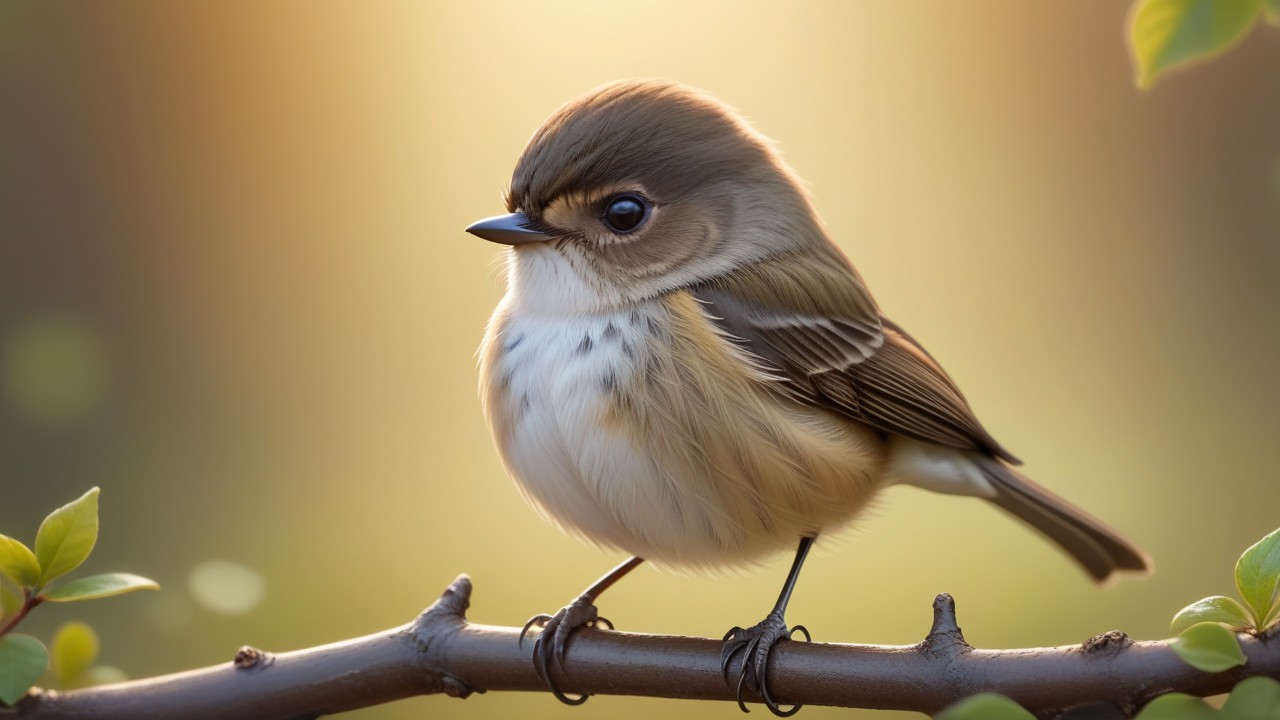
[[549, 381]]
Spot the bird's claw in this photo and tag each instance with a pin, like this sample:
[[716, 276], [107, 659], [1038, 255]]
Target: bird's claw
[[755, 644], [540, 620], [553, 640]]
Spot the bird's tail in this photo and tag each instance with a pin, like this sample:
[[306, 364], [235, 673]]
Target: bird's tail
[[1101, 551]]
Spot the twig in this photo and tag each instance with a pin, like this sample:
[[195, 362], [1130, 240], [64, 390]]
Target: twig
[[30, 602], [441, 652]]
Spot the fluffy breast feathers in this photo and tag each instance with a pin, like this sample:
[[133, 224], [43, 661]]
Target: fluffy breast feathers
[[648, 430]]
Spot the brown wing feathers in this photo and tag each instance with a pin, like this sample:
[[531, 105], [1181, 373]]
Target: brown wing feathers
[[833, 349]]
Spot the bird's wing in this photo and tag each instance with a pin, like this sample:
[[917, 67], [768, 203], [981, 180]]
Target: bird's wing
[[817, 328]]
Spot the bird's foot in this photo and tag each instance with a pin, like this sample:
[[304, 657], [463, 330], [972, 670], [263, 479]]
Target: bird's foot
[[552, 641], [753, 645]]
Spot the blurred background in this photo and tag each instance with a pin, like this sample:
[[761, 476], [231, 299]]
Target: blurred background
[[235, 293]]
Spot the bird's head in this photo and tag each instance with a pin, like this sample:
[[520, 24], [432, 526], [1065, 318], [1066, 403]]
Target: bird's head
[[642, 187]]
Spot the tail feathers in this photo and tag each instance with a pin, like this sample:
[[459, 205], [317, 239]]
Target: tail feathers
[[1101, 551]]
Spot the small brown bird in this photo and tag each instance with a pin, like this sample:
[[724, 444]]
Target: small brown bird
[[686, 368]]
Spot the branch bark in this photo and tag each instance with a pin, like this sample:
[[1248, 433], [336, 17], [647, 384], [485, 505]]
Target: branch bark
[[442, 652]]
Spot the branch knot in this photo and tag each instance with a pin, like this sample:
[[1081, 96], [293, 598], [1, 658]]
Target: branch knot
[[447, 614], [945, 636], [455, 688], [1108, 643], [250, 658]]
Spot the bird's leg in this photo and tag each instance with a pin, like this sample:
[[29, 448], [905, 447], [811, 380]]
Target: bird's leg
[[556, 629], [755, 643]]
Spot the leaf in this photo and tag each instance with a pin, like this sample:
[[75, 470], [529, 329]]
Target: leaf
[[1255, 698], [72, 652], [1271, 617], [1209, 647], [1219, 609], [22, 660], [985, 706], [10, 601], [18, 563], [99, 586], [1164, 34], [1257, 575], [1177, 706], [1271, 9], [67, 536]]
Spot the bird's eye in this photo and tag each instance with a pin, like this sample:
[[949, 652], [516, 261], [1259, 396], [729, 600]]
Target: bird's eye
[[624, 213]]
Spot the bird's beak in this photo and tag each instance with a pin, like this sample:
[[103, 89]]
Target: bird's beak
[[510, 229]]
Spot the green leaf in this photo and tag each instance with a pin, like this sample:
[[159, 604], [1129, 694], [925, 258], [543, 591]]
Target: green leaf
[[1177, 706], [22, 660], [1258, 573], [72, 652], [1255, 698], [67, 536], [10, 601], [1164, 34], [18, 563], [99, 586], [1209, 647], [1271, 617], [1219, 609], [985, 706]]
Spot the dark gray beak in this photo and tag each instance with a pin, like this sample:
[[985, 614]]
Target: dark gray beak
[[510, 229]]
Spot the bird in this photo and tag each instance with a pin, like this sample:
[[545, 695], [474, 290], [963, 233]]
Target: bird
[[685, 367]]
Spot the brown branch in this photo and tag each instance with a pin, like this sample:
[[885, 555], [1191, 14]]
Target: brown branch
[[441, 652], [30, 601]]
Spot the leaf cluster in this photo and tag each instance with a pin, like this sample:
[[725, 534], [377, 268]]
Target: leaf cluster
[[63, 542], [1207, 627]]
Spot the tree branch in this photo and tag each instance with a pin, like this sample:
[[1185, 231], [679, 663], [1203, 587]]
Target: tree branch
[[442, 652]]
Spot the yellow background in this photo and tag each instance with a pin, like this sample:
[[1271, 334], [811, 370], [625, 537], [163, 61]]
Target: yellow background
[[251, 215]]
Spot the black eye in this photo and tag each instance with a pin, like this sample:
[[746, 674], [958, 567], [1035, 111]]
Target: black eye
[[624, 213]]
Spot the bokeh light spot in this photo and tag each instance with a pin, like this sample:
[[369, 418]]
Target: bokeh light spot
[[54, 371], [105, 675], [226, 587]]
